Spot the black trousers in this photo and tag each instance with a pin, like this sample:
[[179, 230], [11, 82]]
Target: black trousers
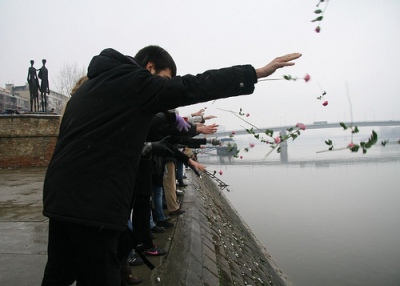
[[141, 220], [80, 253]]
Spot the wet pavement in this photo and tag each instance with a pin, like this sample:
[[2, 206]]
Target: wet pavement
[[209, 244], [23, 228]]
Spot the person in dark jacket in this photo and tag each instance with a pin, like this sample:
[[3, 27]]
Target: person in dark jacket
[[89, 183]]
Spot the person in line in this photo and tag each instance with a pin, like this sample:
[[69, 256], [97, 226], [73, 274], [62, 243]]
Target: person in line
[[169, 178], [89, 184], [196, 118]]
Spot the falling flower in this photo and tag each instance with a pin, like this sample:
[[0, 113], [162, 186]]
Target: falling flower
[[220, 172], [248, 114], [325, 103], [364, 145], [320, 12], [307, 77], [251, 145], [301, 126], [277, 140]]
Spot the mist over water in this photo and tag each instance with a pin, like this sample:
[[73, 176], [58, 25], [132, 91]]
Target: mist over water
[[331, 218]]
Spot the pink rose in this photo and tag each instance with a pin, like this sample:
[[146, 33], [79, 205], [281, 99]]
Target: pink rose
[[351, 145], [241, 157], [233, 132], [307, 77], [325, 103], [318, 29], [251, 145], [248, 114], [301, 126], [220, 172], [277, 140]]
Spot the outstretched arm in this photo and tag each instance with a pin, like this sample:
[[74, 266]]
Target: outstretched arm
[[277, 63]]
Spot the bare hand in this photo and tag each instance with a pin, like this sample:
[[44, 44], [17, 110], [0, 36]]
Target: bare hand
[[277, 63], [207, 129], [209, 117], [197, 165], [198, 113]]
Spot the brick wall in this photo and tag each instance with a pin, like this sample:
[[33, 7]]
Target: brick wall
[[27, 140]]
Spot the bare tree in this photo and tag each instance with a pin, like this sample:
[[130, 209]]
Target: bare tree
[[67, 77]]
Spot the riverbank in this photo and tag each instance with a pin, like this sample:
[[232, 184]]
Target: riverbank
[[209, 245]]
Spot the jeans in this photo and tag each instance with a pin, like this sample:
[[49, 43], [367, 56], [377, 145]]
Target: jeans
[[158, 203], [179, 171]]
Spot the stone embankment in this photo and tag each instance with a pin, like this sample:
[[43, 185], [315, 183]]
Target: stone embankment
[[216, 247]]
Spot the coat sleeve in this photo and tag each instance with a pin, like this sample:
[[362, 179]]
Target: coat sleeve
[[210, 85]]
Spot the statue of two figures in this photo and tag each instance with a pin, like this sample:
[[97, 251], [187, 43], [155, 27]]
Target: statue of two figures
[[38, 104]]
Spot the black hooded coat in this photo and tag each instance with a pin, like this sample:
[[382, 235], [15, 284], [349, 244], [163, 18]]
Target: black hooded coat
[[91, 176]]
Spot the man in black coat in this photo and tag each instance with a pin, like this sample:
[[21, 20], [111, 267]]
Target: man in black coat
[[89, 184]]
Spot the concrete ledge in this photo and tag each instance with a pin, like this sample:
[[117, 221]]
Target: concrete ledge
[[212, 245]]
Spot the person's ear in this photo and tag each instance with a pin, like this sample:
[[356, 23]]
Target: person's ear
[[151, 67]]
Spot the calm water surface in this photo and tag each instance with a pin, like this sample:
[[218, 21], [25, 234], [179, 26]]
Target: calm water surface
[[327, 219]]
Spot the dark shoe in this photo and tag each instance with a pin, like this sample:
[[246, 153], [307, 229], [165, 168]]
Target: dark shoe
[[155, 251], [135, 260], [181, 184], [132, 280], [165, 224], [127, 277], [157, 229], [177, 212]]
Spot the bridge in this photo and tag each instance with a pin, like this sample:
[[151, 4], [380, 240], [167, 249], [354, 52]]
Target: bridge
[[316, 125]]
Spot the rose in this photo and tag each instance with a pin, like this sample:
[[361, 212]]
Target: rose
[[220, 172], [301, 126], [322, 97], [320, 14], [306, 78], [292, 132], [354, 147]]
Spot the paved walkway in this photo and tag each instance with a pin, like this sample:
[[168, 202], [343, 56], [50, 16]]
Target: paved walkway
[[209, 245]]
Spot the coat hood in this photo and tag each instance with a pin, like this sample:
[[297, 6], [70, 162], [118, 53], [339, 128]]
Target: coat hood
[[108, 59]]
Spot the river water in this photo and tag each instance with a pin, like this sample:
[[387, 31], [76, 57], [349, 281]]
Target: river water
[[330, 218]]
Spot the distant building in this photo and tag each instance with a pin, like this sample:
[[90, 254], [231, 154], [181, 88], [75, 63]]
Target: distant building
[[18, 98], [12, 100]]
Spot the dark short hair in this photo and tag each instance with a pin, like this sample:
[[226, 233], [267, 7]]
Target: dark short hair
[[158, 56]]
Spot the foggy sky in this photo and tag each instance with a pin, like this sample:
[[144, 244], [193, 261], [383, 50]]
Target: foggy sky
[[359, 44]]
